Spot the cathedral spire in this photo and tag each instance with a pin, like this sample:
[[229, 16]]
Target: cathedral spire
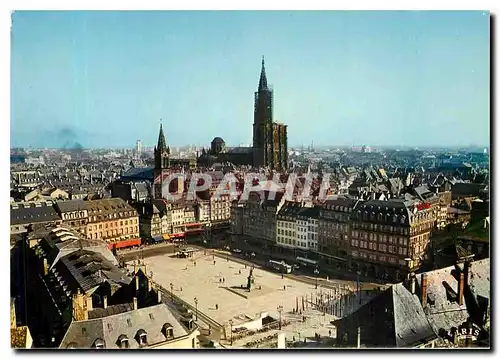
[[263, 79], [162, 144]]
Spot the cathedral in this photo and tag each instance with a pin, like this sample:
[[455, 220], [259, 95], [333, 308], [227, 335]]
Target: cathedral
[[270, 143]]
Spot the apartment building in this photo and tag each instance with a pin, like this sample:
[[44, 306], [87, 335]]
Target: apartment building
[[286, 226], [390, 237], [333, 225], [74, 214], [259, 215], [311, 215], [220, 209], [114, 221]]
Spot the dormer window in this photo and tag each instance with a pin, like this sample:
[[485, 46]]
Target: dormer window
[[142, 337], [168, 330], [123, 342], [99, 344]]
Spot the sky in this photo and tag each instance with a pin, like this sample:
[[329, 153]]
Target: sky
[[105, 79]]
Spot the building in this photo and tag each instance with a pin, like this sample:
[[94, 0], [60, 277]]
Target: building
[[114, 221], [259, 215], [270, 139], [150, 227], [25, 214], [448, 307], [334, 234], [66, 264], [153, 327], [139, 146], [131, 191], [85, 300], [237, 220], [286, 226], [390, 238], [270, 147], [311, 215], [74, 214], [20, 336], [220, 210], [165, 214]]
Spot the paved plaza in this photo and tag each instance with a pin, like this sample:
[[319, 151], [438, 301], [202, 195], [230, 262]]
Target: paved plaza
[[199, 277]]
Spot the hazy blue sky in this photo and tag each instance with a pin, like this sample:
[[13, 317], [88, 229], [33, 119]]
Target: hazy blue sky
[[380, 78]]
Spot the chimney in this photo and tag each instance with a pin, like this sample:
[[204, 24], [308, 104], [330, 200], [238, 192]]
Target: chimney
[[466, 273], [159, 296], [89, 303], [45, 267], [423, 296], [461, 288], [413, 279], [105, 301], [135, 303], [358, 345]]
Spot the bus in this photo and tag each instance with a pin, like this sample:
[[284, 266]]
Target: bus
[[307, 262], [186, 253], [281, 266]]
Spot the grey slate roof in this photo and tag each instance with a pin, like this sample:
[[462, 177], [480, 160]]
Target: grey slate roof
[[443, 313], [90, 269], [71, 206], [83, 334], [26, 215], [410, 323]]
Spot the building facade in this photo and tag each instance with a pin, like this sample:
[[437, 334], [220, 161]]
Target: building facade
[[390, 237], [112, 220]]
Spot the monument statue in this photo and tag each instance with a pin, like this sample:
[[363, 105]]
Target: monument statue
[[250, 280]]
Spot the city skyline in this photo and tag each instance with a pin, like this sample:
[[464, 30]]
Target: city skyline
[[104, 79]]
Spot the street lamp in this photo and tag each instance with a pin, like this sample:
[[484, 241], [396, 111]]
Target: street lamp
[[280, 309], [172, 290], [231, 324], [316, 271], [196, 306]]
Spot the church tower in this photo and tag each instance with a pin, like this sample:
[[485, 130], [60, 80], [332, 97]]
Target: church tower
[[162, 163], [263, 122], [162, 152]]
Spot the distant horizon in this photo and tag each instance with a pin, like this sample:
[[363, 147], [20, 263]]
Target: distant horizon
[[290, 147], [406, 78]]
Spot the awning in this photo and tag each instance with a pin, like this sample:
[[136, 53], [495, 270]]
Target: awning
[[166, 237], [177, 235], [124, 244], [193, 224]]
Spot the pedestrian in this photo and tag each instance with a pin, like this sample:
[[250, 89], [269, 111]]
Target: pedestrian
[[329, 333], [284, 287], [217, 307], [195, 263], [239, 271], [214, 262], [220, 280]]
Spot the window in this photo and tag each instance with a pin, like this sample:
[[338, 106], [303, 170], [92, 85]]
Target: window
[[142, 337], [168, 331], [123, 342]]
